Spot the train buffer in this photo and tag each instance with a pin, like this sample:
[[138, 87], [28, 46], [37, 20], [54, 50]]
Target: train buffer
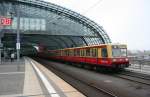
[[29, 78]]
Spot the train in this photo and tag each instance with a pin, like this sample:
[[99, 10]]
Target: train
[[111, 56]]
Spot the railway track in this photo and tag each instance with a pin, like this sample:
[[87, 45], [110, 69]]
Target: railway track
[[65, 75], [97, 88], [102, 90], [132, 76], [135, 77]]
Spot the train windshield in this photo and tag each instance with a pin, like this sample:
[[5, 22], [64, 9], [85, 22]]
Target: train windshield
[[119, 52]]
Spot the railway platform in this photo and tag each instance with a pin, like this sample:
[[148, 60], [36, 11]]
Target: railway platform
[[29, 78]]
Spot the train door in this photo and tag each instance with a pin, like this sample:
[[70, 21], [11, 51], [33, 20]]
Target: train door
[[103, 55]]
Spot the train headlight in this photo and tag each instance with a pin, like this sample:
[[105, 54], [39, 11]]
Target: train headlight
[[114, 60], [127, 59], [120, 60]]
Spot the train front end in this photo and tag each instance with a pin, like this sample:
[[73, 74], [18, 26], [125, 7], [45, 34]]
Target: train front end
[[119, 57]]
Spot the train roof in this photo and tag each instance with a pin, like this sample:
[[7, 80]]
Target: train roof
[[92, 46]]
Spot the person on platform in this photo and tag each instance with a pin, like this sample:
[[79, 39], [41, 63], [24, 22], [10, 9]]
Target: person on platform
[[12, 56]]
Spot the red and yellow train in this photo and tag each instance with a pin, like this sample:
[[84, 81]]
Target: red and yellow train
[[106, 55]]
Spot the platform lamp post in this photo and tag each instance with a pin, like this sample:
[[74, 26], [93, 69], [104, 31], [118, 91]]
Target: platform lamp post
[[18, 33], [1, 35]]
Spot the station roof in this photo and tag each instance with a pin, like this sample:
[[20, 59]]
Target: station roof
[[48, 24]]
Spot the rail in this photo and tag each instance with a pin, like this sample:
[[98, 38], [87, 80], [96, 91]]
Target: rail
[[134, 77]]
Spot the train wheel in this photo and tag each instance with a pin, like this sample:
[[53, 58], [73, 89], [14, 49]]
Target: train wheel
[[101, 69], [98, 69], [74, 64], [79, 65], [86, 66], [94, 68]]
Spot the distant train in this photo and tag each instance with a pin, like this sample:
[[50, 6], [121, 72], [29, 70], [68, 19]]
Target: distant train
[[112, 56]]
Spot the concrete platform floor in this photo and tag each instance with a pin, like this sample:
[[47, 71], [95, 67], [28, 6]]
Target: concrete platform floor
[[28, 78]]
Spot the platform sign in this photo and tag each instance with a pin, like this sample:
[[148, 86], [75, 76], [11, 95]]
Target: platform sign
[[5, 21], [18, 46]]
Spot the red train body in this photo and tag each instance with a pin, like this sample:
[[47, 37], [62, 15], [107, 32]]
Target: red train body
[[106, 55]]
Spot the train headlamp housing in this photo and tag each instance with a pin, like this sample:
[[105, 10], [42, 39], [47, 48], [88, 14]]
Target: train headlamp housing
[[114, 60], [127, 59]]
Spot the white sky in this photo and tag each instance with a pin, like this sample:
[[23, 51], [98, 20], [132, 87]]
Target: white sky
[[125, 21]]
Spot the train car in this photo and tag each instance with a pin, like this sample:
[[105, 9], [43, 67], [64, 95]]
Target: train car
[[105, 55]]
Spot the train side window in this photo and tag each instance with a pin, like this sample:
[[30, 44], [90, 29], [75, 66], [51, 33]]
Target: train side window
[[56, 52], [67, 52], [75, 52], [60, 53], [78, 52], [104, 52], [94, 52], [87, 52], [63, 53], [70, 52], [82, 52]]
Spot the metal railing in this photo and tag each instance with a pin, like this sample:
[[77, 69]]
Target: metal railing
[[142, 64]]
